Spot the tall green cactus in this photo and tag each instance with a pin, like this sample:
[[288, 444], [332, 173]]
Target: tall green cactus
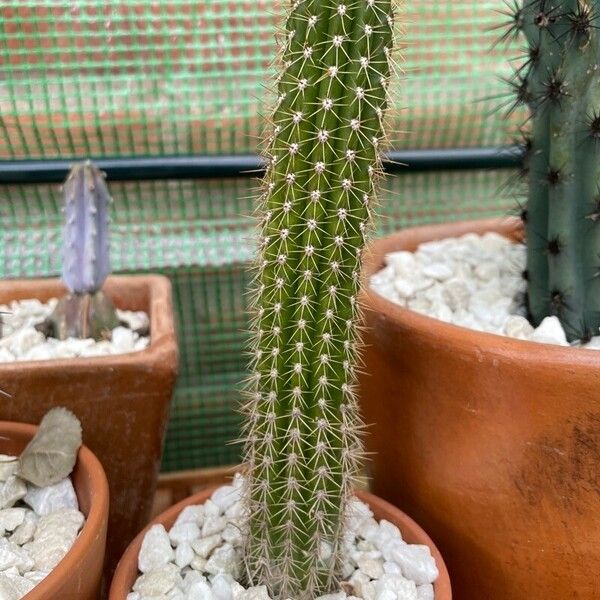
[[302, 433], [560, 83]]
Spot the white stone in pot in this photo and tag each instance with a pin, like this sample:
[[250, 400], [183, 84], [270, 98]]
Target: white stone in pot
[[184, 555], [217, 559], [26, 530], [11, 491], [12, 555], [49, 499], [413, 560], [9, 465], [156, 550], [158, 581], [550, 331], [11, 518], [183, 532], [53, 538]]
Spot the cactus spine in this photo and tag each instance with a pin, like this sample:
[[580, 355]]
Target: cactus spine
[[560, 83], [85, 311], [302, 432]]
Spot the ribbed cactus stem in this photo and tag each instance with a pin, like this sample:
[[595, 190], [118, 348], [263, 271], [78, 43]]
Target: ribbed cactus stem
[[303, 443], [85, 311], [86, 252], [560, 82]]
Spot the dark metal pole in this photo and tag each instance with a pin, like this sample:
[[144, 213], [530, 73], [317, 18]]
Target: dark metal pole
[[248, 165]]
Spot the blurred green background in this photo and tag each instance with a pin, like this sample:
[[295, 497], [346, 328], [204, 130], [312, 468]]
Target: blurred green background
[[91, 78]]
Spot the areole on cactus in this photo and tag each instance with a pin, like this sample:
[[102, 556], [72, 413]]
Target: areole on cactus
[[560, 83], [302, 436], [86, 312]]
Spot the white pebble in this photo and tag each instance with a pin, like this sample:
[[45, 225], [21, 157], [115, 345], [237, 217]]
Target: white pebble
[[53, 538], [200, 590], [213, 525], [439, 271], [518, 327], [191, 514], [416, 562], [11, 518], [123, 339], [225, 496], [13, 589], [425, 592], [222, 586], [372, 567], [336, 596], [205, 545], [405, 288], [8, 466], [389, 535], [184, 555], [158, 581], [401, 587], [36, 576], [135, 319], [11, 491], [25, 531], [258, 592], [183, 532], [550, 331], [12, 555], [223, 560], [49, 499], [156, 550]]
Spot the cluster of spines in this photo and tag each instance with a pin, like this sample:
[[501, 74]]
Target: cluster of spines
[[302, 435], [86, 252], [559, 82]]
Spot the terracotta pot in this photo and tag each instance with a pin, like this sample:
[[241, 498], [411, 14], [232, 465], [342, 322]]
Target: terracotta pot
[[127, 571], [493, 444], [122, 401], [78, 575]]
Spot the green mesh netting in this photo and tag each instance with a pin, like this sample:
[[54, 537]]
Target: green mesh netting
[[85, 78]]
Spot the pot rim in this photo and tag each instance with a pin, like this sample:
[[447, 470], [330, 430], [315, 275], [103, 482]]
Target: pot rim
[[462, 338], [122, 583], [94, 521], [162, 328]]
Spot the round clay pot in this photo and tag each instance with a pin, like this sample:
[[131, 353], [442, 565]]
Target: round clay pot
[[127, 570], [78, 575], [491, 443]]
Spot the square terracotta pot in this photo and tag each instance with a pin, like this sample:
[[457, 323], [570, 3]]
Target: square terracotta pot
[[122, 401]]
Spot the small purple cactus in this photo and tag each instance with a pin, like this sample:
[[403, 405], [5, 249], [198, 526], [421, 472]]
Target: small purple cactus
[[86, 253], [86, 312]]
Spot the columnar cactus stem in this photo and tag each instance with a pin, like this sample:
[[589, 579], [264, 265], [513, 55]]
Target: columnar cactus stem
[[303, 429], [85, 311], [560, 83]]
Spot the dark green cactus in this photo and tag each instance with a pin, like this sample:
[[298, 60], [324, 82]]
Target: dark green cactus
[[303, 428], [86, 312], [560, 83]]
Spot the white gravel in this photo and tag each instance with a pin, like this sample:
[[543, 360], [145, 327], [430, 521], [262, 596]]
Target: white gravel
[[21, 341], [200, 558], [473, 281], [38, 526]]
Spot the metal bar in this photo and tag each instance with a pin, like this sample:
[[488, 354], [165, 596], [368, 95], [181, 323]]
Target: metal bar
[[244, 165]]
